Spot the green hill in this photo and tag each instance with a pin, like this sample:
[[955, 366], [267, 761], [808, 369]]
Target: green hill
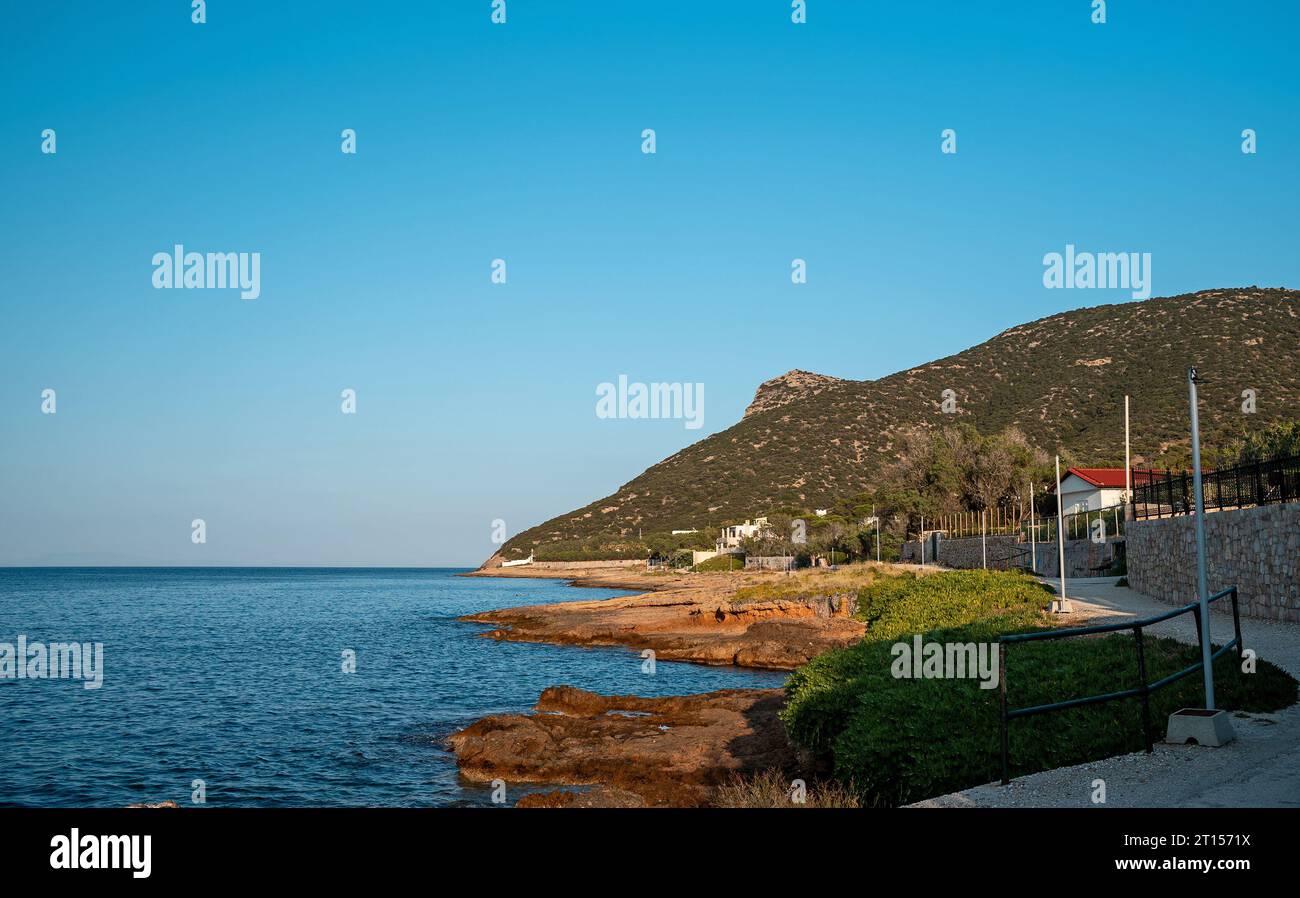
[[809, 440]]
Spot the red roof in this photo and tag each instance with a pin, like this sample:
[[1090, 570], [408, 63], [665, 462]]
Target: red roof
[[1110, 478], [1106, 477]]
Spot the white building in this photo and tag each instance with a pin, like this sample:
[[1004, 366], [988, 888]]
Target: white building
[[1089, 489], [733, 535]]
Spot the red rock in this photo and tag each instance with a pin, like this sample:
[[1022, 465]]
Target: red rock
[[690, 625], [655, 751]]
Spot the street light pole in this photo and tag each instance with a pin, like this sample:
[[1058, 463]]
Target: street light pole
[[1033, 536], [1062, 604], [1128, 467], [1201, 579]]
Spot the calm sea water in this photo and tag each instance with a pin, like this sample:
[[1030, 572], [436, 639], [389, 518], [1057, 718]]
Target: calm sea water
[[233, 676]]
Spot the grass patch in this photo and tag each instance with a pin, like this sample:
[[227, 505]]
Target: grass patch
[[901, 740], [770, 789], [809, 583], [896, 606], [720, 563]]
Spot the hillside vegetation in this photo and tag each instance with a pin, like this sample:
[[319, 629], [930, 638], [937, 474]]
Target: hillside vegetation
[[810, 440]]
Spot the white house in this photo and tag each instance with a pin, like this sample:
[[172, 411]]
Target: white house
[[1088, 489], [734, 534]]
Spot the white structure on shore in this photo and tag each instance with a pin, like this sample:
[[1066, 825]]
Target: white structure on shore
[[528, 560], [733, 535]]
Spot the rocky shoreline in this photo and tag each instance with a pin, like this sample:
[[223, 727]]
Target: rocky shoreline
[[688, 618], [632, 751], [629, 751]]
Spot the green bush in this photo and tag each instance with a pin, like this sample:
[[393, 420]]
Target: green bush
[[721, 563], [681, 558], [572, 551], [822, 694], [907, 604], [901, 740]]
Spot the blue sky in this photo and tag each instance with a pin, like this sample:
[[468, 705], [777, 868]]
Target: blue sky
[[479, 141]]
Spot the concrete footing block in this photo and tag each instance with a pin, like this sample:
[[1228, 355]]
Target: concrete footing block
[[1199, 726]]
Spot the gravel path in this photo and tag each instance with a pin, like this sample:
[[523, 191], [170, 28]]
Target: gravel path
[[1260, 768]]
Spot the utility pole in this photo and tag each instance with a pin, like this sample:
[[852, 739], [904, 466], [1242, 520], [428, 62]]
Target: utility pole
[[921, 539], [1128, 488], [1062, 604], [1033, 533], [873, 514], [1128, 467], [1201, 580]]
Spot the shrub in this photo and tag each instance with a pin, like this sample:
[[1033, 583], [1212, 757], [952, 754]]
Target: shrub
[[904, 604], [770, 789], [721, 563], [822, 694], [901, 740], [573, 551]]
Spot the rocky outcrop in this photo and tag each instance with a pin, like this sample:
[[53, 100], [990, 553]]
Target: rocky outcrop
[[690, 625], [789, 387], [593, 797], [635, 752]]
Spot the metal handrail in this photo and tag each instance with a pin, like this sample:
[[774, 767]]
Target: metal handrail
[[1143, 691]]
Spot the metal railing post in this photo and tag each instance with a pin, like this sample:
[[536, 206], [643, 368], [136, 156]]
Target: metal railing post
[[1002, 691], [1236, 626], [1142, 691], [1146, 694]]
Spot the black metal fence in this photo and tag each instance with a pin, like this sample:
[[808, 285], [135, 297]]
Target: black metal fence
[[1143, 690], [1165, 494]]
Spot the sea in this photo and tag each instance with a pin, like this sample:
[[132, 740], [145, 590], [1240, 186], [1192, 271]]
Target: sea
[[233, 684]]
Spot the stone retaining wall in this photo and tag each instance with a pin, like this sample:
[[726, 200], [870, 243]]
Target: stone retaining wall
[[1255, 549], [769, 563], [1082, 556]]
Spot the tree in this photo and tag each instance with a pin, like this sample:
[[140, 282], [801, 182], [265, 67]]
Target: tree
[[1280, 439], [956, 469]]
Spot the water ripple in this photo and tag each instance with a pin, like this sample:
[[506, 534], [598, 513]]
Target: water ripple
[[233, 676]]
